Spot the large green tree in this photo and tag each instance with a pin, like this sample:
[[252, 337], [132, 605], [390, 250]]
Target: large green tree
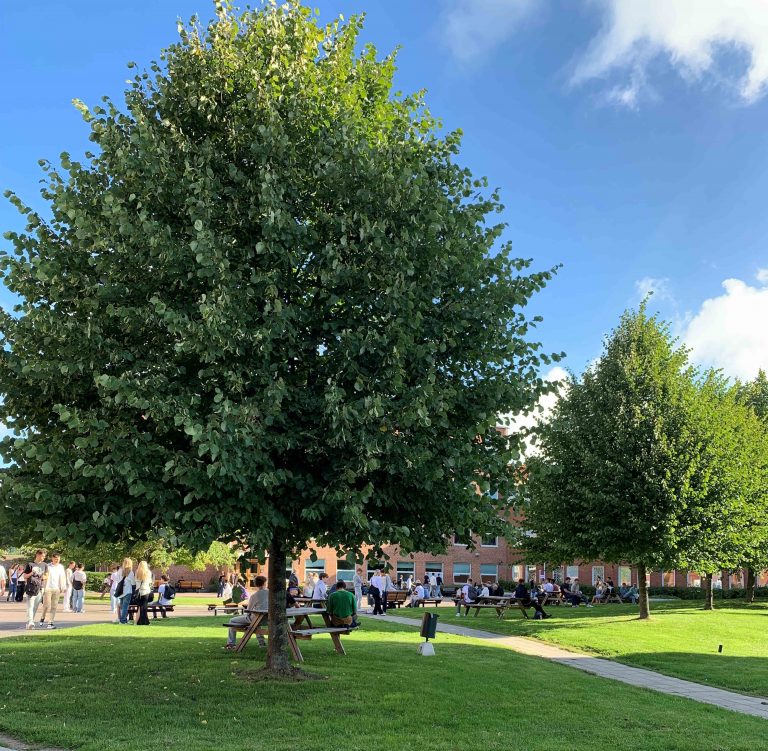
[[615, 462], [270, 307]]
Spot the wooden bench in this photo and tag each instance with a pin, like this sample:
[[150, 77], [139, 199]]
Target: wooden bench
[[423, 603], [189, 585], [553, 598], [231, 608], [613, 597], [396, 598], [152, 608]]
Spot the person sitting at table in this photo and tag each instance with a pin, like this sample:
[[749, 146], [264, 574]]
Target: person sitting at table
[[549, 586], [631, 595], [239, 594], [259, 600], [484, 591], [523, 596], [341, 607], [163, 600], [320, 592], [497, 590], [597, 598], [417, 595]]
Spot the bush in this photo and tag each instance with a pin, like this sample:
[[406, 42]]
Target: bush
[[697, 593], [95, 578]]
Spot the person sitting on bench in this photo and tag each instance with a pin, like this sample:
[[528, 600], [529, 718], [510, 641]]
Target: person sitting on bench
[[417, 595], [341, 606], [163, 601], [522, 595], [259, 600]]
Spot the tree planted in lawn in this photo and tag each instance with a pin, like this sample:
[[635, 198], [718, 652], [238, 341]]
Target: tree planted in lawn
[[266, 310], [616, 459]]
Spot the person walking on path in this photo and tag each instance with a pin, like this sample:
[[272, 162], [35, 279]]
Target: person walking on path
[[55, 586], [13, 580], [68, 597], [259, 600], [357, 583], [114, 602], [3, 579], [124, 589], [374, 589], [34, 584], [144, 584], [79, 580]]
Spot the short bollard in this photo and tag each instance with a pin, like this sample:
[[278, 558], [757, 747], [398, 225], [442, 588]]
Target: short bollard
[[428, 631]]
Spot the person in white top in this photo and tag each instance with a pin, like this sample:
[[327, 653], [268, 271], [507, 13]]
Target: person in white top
[[34, 576], [357, 581], [68, 589], [433, 585], [377, 590], [55, 585], [320, 592], [417, 595], [114, 602], [3, 579], [485, 592], [144, 582], [128, 581], [163, 600]]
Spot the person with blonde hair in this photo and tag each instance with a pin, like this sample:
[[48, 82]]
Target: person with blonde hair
[[144, 583], [125, 587]]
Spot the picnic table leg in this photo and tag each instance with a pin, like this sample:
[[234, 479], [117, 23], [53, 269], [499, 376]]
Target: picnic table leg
[[337, 643], [249, 632], [295, 647]]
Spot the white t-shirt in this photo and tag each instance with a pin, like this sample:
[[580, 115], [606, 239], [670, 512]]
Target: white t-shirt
[[321, 590], [80, 576], [114, 581], [68, 573], [465, 593], [433, 580], [376, 581], [484, 592], [57, 578], [548, 587], [161, 599], [3, 574], [419, 593], [129, 583]]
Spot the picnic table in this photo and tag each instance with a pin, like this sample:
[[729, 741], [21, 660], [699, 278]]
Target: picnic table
[[309, 602], [232, 607], [496, 602], [300, 628]]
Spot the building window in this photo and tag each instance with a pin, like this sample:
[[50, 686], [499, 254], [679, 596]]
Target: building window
[[693, 579], [314, 567], [490, 542], [517, 572], [489, 572], [405, 569], [432, 567], [598, 572], [461, 572], [345, 571], [462, 539], [530, 573], [625, 576], [572, 572], [374, 566]]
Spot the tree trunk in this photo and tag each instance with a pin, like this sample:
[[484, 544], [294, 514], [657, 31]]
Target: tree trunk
[[642, 588], [709, 603], [278, 654], [749, 595]]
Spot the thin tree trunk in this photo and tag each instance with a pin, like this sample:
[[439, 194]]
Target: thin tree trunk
[[642, 588], [749, 595], [709, 603], [278, 656]]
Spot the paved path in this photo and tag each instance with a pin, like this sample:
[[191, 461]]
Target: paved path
[[751, 705]]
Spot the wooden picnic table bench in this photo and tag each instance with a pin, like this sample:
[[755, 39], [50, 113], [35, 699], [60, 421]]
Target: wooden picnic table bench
[[498, 603], [308, 602], [396, 598], [300, 628], [555, 598], [153, 608], [188, 585], [424, 601], [230, 608]]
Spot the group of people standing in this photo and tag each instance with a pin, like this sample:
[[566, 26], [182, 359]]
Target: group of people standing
[[128, 587], [43, 583]]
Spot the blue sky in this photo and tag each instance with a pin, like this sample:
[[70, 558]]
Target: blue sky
[[628, 139]]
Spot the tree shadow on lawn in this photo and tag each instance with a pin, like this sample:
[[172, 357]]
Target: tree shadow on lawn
[[746, 675], [105, 687]]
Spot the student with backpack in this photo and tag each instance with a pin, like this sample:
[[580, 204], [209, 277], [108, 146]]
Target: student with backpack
[[79, 580], [34, 577], [165, 595]]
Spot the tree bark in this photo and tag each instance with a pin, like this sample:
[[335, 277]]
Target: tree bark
[[709, 602], [642, 588], [749, 594], [278, 651]]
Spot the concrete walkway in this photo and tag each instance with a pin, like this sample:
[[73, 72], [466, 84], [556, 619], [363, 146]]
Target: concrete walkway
[[751, 705]]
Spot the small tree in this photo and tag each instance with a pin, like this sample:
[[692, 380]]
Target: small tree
[[269, 309], [616, 462]]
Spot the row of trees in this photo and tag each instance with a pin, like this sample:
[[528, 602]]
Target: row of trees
[[649, 461]]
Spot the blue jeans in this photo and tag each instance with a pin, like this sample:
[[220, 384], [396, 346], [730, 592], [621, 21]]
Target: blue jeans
[[78, 598], [125, 602]]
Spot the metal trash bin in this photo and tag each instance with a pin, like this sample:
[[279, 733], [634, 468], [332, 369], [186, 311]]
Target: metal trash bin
[[429, 625]]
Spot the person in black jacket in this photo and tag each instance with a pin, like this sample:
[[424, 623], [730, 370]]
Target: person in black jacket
[[522, 595]]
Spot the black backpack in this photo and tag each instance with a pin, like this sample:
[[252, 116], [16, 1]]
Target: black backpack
[[120, 588], [34, 585], [170, 592]]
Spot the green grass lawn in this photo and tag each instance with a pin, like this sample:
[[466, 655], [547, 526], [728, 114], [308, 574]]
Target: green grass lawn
[[109, 687], [680, 639]]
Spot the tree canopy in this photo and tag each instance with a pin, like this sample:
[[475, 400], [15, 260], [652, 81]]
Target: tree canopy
[[271, 306]]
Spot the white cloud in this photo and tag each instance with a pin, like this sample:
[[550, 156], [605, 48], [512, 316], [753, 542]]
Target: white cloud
[[689, 34], [472, 29], [731, 331], [656, 286]]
